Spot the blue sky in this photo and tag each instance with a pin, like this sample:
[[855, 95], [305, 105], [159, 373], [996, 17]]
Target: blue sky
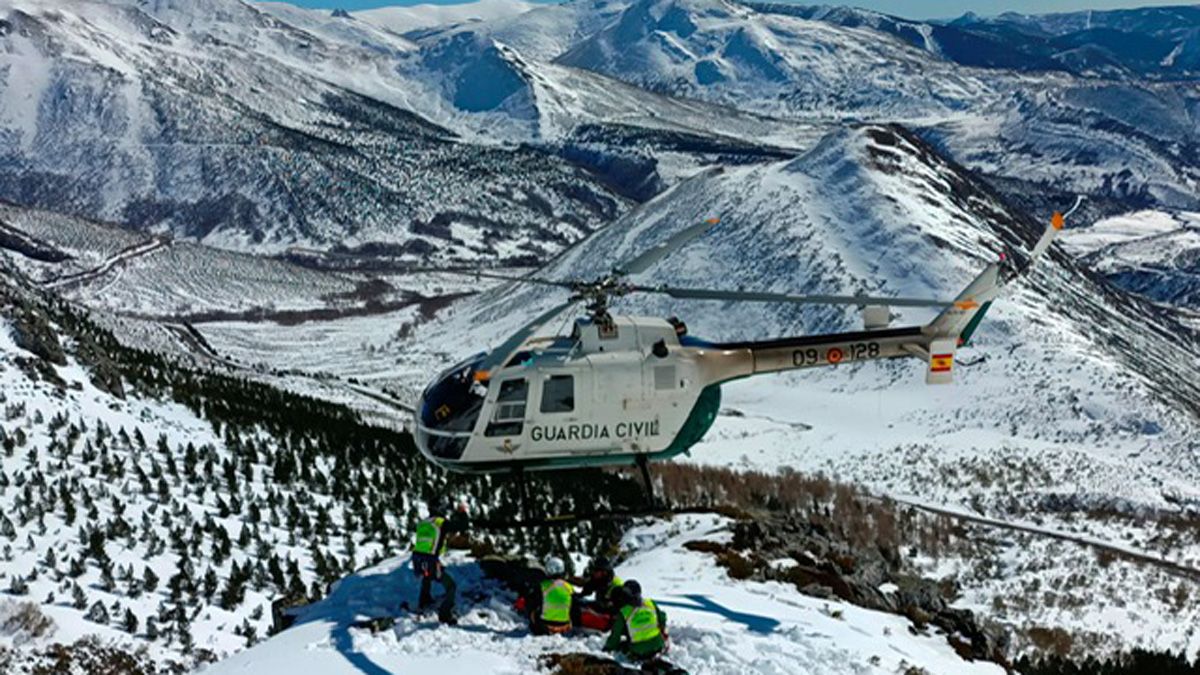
[[918, 9]]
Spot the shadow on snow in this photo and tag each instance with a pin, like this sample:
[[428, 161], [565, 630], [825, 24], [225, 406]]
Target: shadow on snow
[[756, 623]]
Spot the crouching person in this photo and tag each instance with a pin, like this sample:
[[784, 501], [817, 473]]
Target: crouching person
[[551, 605], [640, 628]]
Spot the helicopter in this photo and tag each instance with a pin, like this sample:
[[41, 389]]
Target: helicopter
[[631, 390]]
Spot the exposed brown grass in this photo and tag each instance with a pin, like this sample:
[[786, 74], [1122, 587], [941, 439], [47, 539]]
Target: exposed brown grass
[[1054, 641], [846, 511]]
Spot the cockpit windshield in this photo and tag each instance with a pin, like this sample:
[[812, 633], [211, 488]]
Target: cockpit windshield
[[449, 409]]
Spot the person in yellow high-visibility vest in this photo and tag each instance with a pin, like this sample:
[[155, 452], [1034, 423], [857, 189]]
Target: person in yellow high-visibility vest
[[552, 604], [429, 544], [640, 628], [604, 584]]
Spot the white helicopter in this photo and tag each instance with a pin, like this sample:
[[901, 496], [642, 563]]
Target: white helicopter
[[626, 390]]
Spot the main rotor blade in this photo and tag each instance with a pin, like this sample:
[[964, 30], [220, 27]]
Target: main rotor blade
[[506, 277], [647, 258], [754, 296], [504, 351]]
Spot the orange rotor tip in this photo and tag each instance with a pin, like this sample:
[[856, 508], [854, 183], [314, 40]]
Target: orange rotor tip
[[966, 304], [1057, 220], [481, 376], [713, 221]]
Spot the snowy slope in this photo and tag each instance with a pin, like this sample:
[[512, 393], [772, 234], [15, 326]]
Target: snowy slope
[[718, 625], [1154, 253], [226, 125], [261, 126], [164, 509], [27, 552]]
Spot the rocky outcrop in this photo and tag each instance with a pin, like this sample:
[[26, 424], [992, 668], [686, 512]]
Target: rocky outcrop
[[806, 554]]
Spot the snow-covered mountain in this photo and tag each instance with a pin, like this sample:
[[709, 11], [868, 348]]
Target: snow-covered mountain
[[264, 126], [1151, 253], [224, 124], [726, 52], [1033, 134], [1153, 42], [420, 17], [269, 174]]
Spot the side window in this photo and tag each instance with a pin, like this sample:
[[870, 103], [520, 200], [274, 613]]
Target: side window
[[509, 416], [558, 394]]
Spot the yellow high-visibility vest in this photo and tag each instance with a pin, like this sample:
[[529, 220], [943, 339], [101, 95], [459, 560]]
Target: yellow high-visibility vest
[[556, 600], [642, 622], [428, 533], [612, 587]]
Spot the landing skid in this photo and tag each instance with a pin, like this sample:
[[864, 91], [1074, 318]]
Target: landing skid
[[643, 464], [565, 519], [652, 507]]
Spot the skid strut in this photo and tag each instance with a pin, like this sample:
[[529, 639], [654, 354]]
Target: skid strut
[[522, 492], [644, 464]]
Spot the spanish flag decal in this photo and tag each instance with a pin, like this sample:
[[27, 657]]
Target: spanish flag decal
[[941, 363]]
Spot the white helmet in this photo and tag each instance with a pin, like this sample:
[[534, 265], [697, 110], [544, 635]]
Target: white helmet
[[554, 566]]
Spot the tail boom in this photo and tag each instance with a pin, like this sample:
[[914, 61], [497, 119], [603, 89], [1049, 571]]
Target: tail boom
[[935, 343]]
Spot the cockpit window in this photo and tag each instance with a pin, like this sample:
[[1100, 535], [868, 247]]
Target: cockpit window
[[450, 408], [558, 394]]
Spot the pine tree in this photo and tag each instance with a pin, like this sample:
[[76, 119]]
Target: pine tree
[[97, 614], [151, 628], [133, 588], [149, 580], [211, 582], [7, 529], [234, 591], [68, 507], [130, 623], [18, 585], [78, 597], [183, 630], [107, 582]]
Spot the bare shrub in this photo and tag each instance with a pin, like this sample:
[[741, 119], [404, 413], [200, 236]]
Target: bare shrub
[[24, 621], [1054, 641]]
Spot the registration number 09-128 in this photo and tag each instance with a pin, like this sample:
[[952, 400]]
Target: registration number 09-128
[[852, 352]]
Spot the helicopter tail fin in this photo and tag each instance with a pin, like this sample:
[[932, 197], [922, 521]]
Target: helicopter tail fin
[[956, 324]]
